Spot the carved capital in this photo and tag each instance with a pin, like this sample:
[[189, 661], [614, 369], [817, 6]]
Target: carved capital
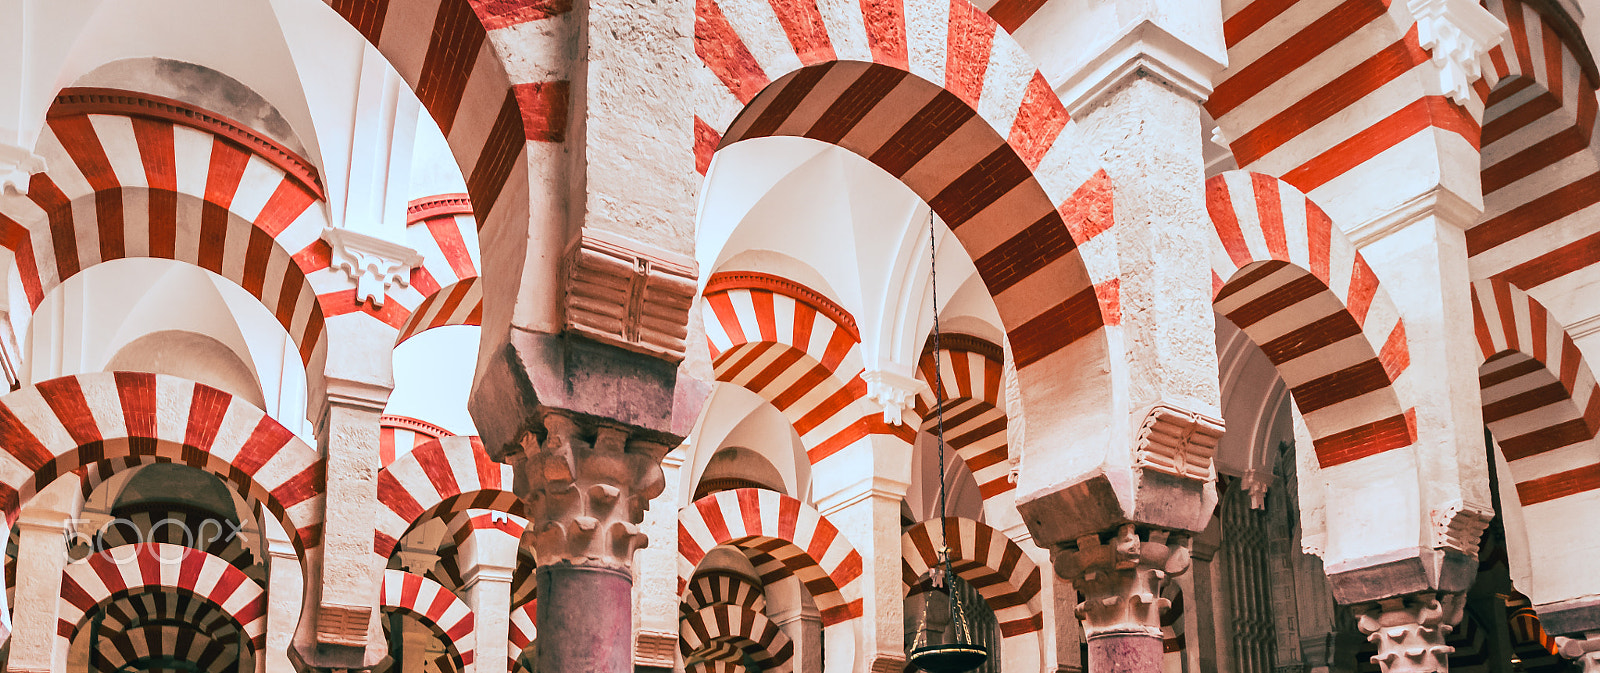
[[1257, 483], [1459, 35], [586, 483], [1177, 442], [626, 293], [374, 264], [17, 167], [894, 392], [1410, 630], [1459, 526], [1121, 578]]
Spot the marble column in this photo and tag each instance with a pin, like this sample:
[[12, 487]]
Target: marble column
[[44, 528]]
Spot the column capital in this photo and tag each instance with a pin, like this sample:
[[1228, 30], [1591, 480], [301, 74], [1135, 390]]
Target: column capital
[[356, 394], [1410, 630], [1145, 50], [1437, 202], [587, 482], [1121, 574]]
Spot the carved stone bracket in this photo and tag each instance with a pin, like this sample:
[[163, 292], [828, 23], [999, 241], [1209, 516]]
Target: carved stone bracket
[[374, 264], [586, 483], [1583, 650], [344, 625], [1121, 578], [888, 663], [1177, 442], [894, 392], [1410, 630], [1459, 35], [1257, 483], [17, 167], [655, 649], [629, 294], [1459, 526]]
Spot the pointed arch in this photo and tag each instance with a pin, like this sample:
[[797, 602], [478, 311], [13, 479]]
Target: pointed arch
[[87, 583], [58, 426], [1540, 399], [1539, 160], [797, 349], [439, 478], [1008, 580], [1288, 277], [934, 93], [435, 606], [975, 410], [733, 633], [757, 521]]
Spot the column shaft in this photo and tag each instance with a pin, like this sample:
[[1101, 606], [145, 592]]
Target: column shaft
[[585, 619], [41, 556]]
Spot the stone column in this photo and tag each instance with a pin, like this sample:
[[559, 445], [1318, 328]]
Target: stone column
[[1410, 630], [586, 482], [1121, 578], [490, 558], [799, 620], [285, 590], [339, 627], [44, 528]]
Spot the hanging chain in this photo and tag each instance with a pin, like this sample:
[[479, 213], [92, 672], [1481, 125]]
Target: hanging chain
[[957, 615]]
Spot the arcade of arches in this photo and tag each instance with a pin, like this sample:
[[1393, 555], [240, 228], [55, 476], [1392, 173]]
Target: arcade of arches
[[599, 336]]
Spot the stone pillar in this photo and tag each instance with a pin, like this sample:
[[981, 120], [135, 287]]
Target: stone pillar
[[1410, 630], [655, 591], [586, 482], [285, 590], [1121, 579], [339, 625], [792, 609], [489, 560], [44, 528]]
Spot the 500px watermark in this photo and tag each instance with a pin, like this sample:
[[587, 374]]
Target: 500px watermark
[[123, 540]]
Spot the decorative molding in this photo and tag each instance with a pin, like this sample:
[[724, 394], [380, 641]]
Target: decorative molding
[[1459, 35], [1146, 50], [17, 168], [442, 205], [1410, 630], [655, 648], [1437, 201], [1579, 329], [343, 625], [1177, 442], [1121, 578], [1459, 526], [418, 426], [896, 393], [1256, 483], [91, 100], [374, 264], [724, 281], [888, 663], [966, 343], [1314, 544], [629, 294]]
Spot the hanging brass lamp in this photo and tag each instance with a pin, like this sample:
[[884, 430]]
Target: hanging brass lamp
[[963, 652]]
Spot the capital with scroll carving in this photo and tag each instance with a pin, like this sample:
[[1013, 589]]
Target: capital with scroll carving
[[586, 483], [1410, 630], [1121, 578]]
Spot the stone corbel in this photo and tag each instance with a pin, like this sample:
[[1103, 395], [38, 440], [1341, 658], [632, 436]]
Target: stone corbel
[[1585, 650], [655, 649], [17, 168], [1459, 526], [1177, 442], [1256, 483], [629, 294], [374, 264], [894, 392], [1459, 35]]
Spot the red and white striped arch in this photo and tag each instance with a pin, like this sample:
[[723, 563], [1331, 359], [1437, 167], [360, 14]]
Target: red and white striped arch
[[721, 587], [1329, 95], [86, 583], [974, 407], [58, 426], [1002, 573], [524, 628], [469, 522], [443, 49], [434, 605], [398, 435], [439, 478], [132, 175], [459, 303], [1540, 400], [798, 350], [149, 644], [1288, 277], [758, 521], [933, 92], [732, 633], [1539, 163]]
